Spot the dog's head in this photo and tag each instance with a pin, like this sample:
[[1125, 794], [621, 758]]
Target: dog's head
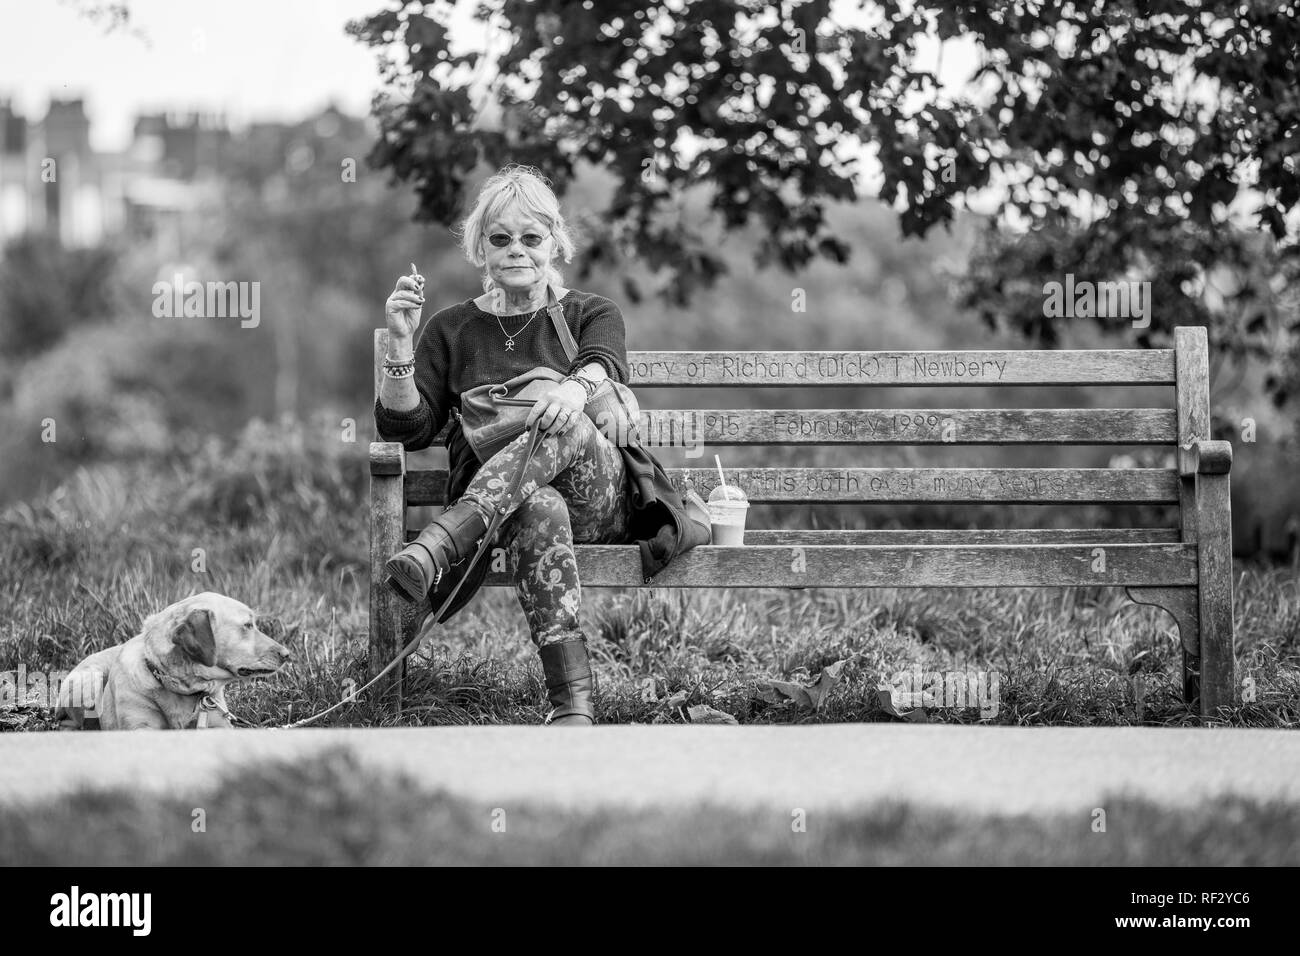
[[214, 637]]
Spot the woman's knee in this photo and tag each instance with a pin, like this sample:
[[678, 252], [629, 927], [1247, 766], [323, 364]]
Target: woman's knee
[[581, 434], [538, 519], [544, 502], [541, 535]]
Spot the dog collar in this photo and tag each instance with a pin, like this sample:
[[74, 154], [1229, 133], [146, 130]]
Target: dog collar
[[207, 704], [170, 683], [210, 704]]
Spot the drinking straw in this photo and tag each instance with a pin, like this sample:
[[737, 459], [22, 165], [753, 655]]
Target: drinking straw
[[725, 495]]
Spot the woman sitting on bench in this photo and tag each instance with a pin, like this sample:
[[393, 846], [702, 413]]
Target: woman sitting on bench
[[576, 486]]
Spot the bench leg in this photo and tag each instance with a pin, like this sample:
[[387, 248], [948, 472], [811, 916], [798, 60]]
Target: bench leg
[[1214, 570], [1182, 605], [387, 521]]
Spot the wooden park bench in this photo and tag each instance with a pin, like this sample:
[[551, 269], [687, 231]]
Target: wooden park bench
[[1185, 569]]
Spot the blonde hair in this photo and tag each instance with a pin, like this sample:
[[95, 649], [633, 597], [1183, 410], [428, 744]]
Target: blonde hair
[[527, 188]]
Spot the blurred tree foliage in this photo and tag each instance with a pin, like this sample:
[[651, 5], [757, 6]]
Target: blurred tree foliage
[[1123, 137], [46, 289]]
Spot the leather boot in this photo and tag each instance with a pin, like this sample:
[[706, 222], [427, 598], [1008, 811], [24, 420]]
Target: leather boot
[[567, 668], [449, 539]]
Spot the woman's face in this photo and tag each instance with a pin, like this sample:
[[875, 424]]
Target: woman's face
[[517, 266]]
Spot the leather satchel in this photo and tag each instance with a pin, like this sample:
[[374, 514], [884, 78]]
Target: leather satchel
[[492, 416]]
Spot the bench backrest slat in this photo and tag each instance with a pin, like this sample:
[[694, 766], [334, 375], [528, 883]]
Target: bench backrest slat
[[909, 426], [1020, 367]]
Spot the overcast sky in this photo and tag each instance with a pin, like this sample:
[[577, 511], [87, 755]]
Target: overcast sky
[[256, 59]]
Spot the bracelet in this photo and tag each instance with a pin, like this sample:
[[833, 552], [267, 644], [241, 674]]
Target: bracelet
[[399, 371], [587, 384], [390, 362]]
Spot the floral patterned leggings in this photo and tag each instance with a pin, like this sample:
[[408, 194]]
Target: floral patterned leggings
[[574, 491]]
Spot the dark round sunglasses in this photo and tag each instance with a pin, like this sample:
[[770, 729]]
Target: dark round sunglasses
[[531, 239]]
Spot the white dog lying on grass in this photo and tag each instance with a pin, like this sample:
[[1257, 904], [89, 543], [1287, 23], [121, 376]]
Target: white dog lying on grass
[[173, 674]]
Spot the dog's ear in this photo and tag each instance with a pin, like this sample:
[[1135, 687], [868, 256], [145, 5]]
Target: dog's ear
[[272, 627], [195, 639]]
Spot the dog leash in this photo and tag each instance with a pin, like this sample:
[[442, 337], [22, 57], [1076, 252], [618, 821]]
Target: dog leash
[[498, 517], [209, 704]]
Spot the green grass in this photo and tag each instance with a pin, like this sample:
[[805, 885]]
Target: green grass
[[281, 518], [332, 810]]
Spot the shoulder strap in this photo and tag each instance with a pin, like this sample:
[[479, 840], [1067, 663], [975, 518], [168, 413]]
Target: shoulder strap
[[562, 327]]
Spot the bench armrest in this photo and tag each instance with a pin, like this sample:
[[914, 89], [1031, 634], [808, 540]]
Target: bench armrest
[[1203, 457], [387, 458]]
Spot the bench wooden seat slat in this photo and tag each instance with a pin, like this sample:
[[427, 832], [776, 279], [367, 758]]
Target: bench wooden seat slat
[[968, 536], [1015, 367], [964, 536], [1144, 565], [916, 485]]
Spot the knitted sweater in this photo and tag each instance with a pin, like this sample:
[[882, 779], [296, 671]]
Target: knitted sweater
[[463, 346]]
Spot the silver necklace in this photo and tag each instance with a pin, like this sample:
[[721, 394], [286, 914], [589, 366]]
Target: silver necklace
[[510, 339]]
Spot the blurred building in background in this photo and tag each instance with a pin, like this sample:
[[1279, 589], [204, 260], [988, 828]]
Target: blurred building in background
[[52, 181]]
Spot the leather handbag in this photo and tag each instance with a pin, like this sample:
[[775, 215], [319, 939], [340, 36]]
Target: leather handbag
[[492, 416]]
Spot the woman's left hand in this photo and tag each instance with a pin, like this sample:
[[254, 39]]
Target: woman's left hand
[[559, 408]]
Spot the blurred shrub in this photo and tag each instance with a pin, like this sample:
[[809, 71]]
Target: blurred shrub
[[91, 512], [45, 290], [288, 473], [300, 487], [124, 388]]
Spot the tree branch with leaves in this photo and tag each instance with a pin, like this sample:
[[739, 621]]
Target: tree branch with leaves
[[1121, 139]]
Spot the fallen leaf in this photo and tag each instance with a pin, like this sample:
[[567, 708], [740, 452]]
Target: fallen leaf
[[704, 714], [778, 691], [676, 700], [886, 696], [825, 683], [812, 695]]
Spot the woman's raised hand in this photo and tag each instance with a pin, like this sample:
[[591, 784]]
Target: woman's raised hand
[[402, 311]]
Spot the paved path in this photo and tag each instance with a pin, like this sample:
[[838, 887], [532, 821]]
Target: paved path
[[990, 769]]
